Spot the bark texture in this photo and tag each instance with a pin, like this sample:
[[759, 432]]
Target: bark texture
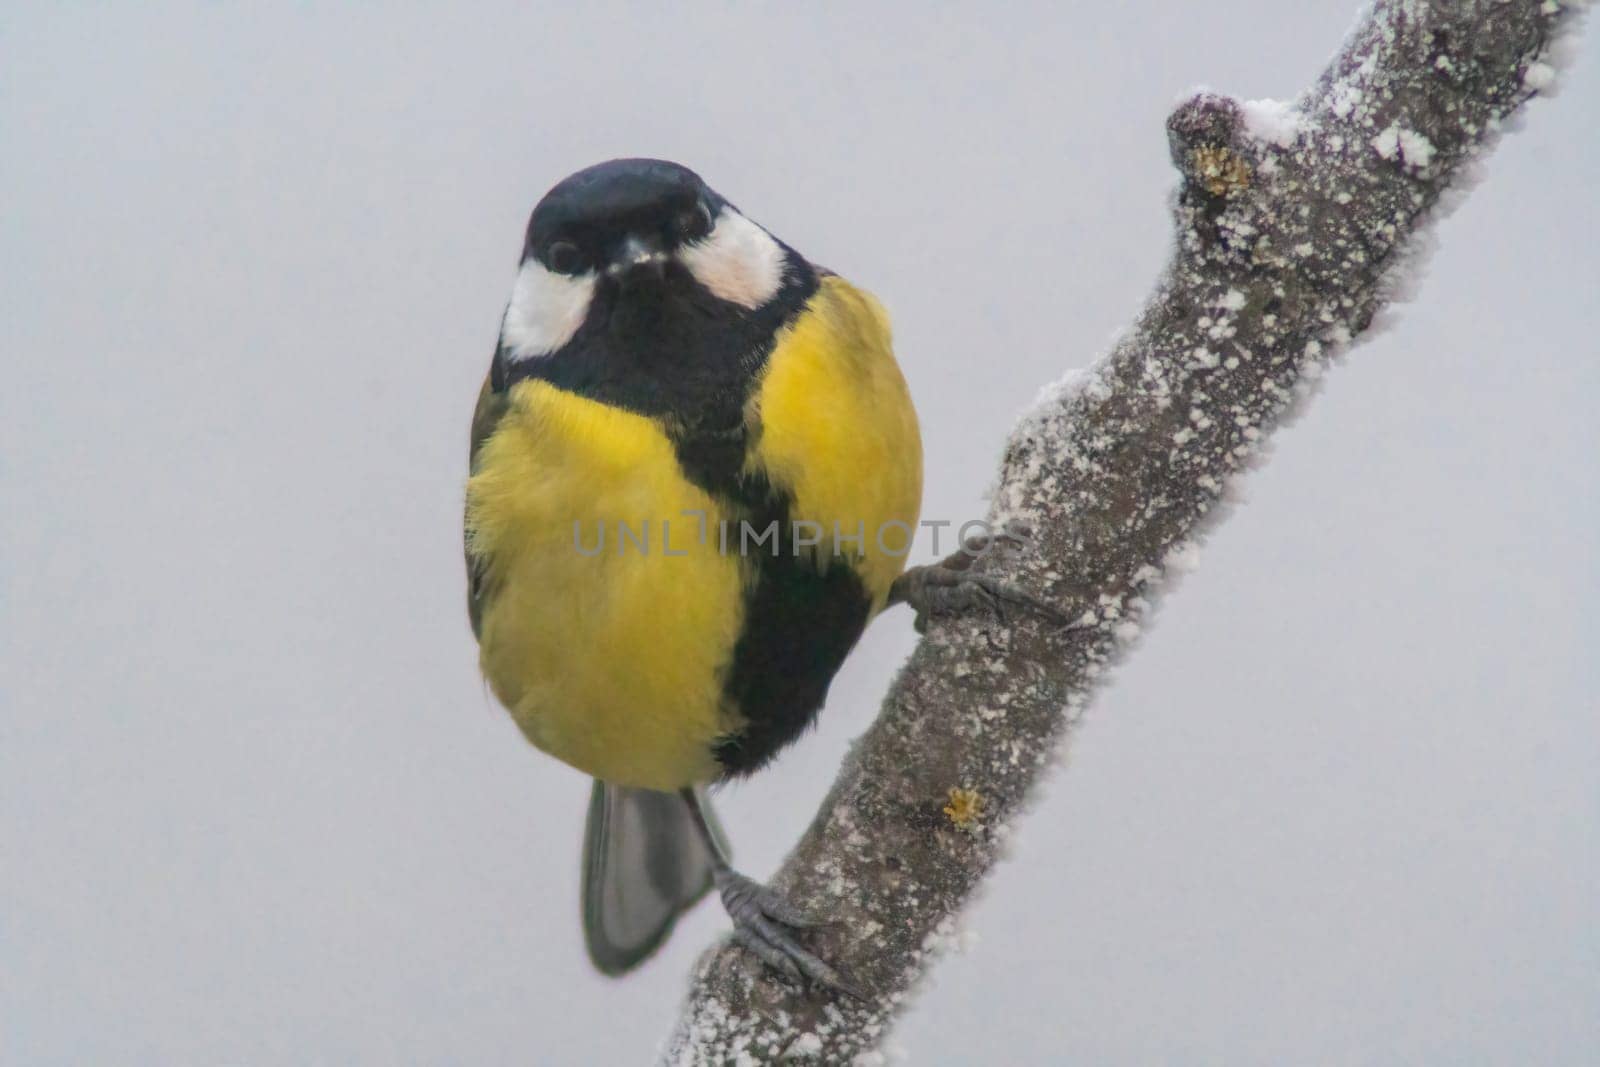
[[1295, 223]]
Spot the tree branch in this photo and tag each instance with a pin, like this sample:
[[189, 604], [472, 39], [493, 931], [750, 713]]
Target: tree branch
[[1293, 223]]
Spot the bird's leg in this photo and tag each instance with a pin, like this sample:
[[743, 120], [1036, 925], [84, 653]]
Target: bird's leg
[[763, 921], [949, 587]]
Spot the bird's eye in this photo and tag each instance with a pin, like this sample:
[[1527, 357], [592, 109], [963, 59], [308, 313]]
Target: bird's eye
[[694, 223], [563, 257]]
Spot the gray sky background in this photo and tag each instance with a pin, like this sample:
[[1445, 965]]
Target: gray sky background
[[1342, 805]]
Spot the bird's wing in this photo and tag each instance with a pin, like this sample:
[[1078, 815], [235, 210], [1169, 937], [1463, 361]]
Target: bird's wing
[[492, 406]]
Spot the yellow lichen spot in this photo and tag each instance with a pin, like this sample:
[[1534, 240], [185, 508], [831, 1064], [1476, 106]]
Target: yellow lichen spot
[[1219, 169], [965, 809]]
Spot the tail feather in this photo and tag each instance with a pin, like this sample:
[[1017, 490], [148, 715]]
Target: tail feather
[[645, 862]]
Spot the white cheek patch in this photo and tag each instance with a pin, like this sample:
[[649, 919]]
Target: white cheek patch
[[737, 261], [546, 309]]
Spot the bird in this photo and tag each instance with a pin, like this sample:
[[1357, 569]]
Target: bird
[[695, 470]]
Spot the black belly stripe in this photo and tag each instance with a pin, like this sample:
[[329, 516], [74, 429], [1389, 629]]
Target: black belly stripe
[[799, 627], [800, 620]]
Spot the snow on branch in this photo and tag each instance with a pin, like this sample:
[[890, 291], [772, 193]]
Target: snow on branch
[[1295, 224]]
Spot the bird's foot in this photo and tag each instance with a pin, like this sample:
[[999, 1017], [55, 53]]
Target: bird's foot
[[765, 923], [950, 588]]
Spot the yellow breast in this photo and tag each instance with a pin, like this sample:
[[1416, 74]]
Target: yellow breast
[[838, 432], [612, 657], [609, 661]]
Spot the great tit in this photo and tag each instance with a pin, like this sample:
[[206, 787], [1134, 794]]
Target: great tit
[[695, 473]]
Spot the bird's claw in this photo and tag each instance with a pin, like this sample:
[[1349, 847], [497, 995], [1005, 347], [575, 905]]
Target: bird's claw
[[764, 923], [939, 589]]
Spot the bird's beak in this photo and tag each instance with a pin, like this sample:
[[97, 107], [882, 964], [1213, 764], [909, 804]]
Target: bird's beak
[[638, 257]]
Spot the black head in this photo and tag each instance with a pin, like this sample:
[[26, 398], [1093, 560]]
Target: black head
[[613, 213], [640, 286]]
